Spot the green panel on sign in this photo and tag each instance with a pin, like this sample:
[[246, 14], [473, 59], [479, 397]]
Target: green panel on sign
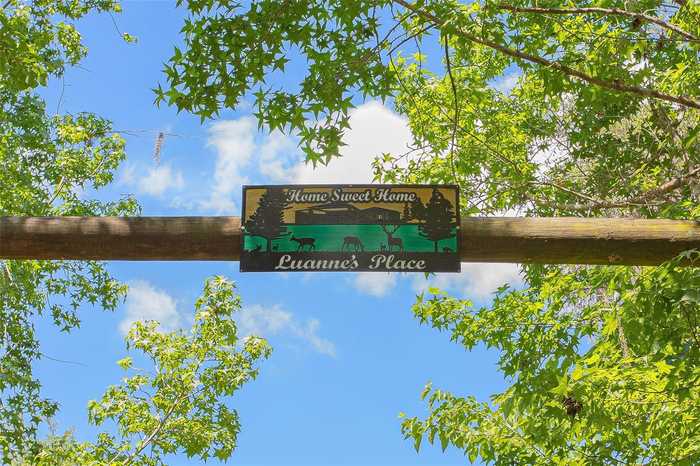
[[350, 227], [372, 237]]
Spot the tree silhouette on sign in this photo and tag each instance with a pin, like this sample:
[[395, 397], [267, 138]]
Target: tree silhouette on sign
[[436, 219], [268, 219], [417, 209]]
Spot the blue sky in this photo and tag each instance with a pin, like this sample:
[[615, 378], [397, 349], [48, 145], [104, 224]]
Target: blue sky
[[348, 354]]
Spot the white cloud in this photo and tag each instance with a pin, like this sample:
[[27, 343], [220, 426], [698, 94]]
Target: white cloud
[[258, 320], [145, 302], [374, 130], [243, 157], [154, 181], [234, 143], [309, 332], [277, 154], [375, 283], [160, 179], [506, 83], [268, 321], [477, 280], [128, 175]]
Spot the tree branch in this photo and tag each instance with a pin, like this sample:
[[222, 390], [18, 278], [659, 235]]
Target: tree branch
[[570, 191], [603, 11], [640, 200], [156, 431], [668, 186], [57, 192], [456, 115], [8, 274], [626, 353], [615, 85]]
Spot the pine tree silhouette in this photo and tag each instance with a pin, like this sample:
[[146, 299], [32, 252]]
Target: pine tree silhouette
[[417, 210], [437, 219], [268, 219]]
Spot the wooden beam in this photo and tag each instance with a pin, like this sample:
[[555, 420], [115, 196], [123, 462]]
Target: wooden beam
[[559, 240], [573, 240]]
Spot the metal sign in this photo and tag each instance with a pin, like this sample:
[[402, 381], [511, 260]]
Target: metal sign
[[376, 228]]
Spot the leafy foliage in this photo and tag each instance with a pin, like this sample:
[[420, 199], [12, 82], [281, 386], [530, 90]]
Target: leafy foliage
[[592, 355], [223, 60], [37, 39], [585, 108], [47, 162], [178, 406]]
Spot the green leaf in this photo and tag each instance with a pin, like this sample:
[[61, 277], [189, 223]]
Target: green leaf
[[125, 363]]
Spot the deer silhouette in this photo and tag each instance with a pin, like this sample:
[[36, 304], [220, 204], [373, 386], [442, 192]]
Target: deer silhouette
[[354, 242], [382, 247], [275, 247], [303, 242], [257, 248], [391, 241], [446, 249]]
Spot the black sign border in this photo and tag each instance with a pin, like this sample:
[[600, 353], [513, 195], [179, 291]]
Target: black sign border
[[458, 214]]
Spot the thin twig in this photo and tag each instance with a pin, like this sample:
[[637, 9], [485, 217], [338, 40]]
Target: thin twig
[[63, 361], [567, 190], [623, 339], [8, 273], [57, 192], [455, 121], [60, 97], [114, 22]]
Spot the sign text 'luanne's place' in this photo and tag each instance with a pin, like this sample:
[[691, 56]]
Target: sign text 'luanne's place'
[[382, 228]]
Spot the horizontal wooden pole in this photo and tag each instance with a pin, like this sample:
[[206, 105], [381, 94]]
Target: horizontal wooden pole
[[558, 240]]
